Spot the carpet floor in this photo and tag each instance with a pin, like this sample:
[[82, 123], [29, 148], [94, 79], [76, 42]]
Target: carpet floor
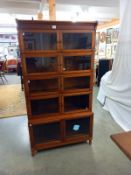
[[12, 101]]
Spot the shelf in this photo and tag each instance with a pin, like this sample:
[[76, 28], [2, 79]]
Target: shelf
[[60, 117]]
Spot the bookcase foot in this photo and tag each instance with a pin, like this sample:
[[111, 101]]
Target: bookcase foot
[[90, 141], [33, 151]]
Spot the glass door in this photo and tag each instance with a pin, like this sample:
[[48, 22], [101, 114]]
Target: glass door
[[76, 102], [76, 40], [45, 106], [41, 64], [47, 132], [77, 127], [77, 63], [37, 41], [76, 83], [43, 86]]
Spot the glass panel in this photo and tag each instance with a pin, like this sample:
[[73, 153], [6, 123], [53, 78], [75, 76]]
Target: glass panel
[[77, 126], [78, 102], [72, 63], [77, 41], [45, 106], [46, 132], [43, 64], [40, 41], [72, 83], [46, 85]]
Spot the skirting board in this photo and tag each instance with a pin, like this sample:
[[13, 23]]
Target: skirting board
[[123, 141]]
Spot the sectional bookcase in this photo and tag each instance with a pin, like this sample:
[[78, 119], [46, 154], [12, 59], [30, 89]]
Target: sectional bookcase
[[57, 66]]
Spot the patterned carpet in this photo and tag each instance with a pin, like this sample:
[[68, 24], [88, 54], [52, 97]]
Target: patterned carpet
[[12, 101]]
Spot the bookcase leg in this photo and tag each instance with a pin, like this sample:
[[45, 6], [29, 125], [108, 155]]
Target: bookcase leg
[[33, 151], [90, 141]]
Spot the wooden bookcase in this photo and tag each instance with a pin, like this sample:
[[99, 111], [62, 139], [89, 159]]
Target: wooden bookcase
[[57, 64]]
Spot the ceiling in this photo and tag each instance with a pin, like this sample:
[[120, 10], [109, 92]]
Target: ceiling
[[100, 10]]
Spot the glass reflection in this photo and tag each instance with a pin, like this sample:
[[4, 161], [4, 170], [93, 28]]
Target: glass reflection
[[40, 41], [72, 63], [77, 41], [41, 64]]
